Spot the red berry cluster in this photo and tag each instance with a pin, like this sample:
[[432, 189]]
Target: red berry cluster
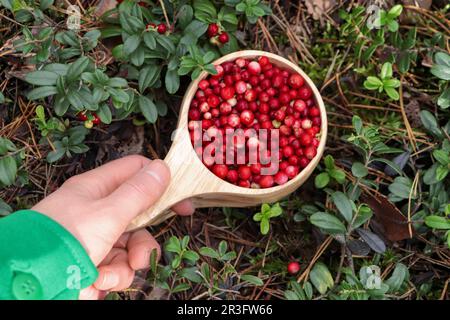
[[256, 94], [214, 34], [89, 119]]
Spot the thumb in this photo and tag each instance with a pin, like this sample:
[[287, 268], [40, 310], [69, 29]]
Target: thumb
[[139, 192]]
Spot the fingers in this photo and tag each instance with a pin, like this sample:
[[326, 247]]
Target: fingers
[[184, 208], [100, 182], [90, 293], [139, 192], [115, 272], [140, 246]]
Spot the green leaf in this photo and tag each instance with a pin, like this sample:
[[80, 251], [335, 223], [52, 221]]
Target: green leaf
[[149, 40], [338, 175], [148, 77], [328, 222], [172, 81], [185, 16], [372, 83], [397, 278], [148, 109], [209, 252], [42, 78], [191, 256], [437, 222], [441, 68], [8, 170], [430, 122], [77, 68], [441, 172], [321, 278], [444, 99], [252, 279], [401, 187], [441, 156], [395, 11], [343, 204], [359, 170], [391, 83], [392, 93], [357, 124], [386, 71], [322, 180], [41, 92], [173, 245], [204, 10], [55, 155], [264, 226], [5, 209], [166, 43], [104, 113], [131, 44]]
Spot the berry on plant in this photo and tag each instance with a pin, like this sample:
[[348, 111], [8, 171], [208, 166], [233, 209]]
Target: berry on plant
[[161, 28], [223, 37], [213, 29], [293, 267]]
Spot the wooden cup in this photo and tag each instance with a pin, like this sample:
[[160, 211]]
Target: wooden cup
[[191, 179]]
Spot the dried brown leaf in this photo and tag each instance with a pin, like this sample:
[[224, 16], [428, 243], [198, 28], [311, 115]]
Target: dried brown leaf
[[394, 223]]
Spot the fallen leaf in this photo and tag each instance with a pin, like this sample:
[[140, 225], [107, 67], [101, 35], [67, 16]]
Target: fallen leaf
[[394, 223]]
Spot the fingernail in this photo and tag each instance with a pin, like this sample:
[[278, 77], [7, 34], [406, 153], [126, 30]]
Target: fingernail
[[110, 280], [158, 170]]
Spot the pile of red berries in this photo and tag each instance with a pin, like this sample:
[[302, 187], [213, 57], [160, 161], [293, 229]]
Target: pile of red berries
[[217, 36], [252, 95]]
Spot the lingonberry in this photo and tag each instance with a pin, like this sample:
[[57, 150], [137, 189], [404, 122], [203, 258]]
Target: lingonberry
[[223, 37], [280, 178], [213, 29], [296, 80], [266, 182], [304, 93], [254, 67], [240, 87], [247, 117], [162, 28], [220, 170], [293, 267], [227, 93]]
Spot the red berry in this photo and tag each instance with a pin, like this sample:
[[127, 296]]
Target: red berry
[[232, 176], [213, 29], [244, 172], [254, 68], [162, 28], [314, 112], [247, 117], [203, 84], [296, 81], [227, 93], [266, 182], [280, 178], [263, 61], [304, 93], [293, 267], [240, 87], [223, 37], [220, 170], [310, 152], [234, 120], [82, 116]]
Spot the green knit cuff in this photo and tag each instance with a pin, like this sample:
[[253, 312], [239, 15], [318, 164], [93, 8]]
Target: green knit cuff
[[41, 260]]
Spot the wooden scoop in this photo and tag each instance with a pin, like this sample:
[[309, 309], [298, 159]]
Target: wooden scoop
[[191, 179]]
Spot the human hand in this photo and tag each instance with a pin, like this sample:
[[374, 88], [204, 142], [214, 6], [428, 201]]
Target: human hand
[[97, 206]]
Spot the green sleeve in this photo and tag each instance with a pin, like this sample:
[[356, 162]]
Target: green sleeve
[[41, 260]]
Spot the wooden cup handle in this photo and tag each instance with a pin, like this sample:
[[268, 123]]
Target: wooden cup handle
[[183, 168]]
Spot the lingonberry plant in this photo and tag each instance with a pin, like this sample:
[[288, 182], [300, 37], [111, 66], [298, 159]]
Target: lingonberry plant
[[262, 123]]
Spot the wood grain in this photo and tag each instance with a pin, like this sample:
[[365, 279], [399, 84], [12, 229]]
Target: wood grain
[[191, 179]]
